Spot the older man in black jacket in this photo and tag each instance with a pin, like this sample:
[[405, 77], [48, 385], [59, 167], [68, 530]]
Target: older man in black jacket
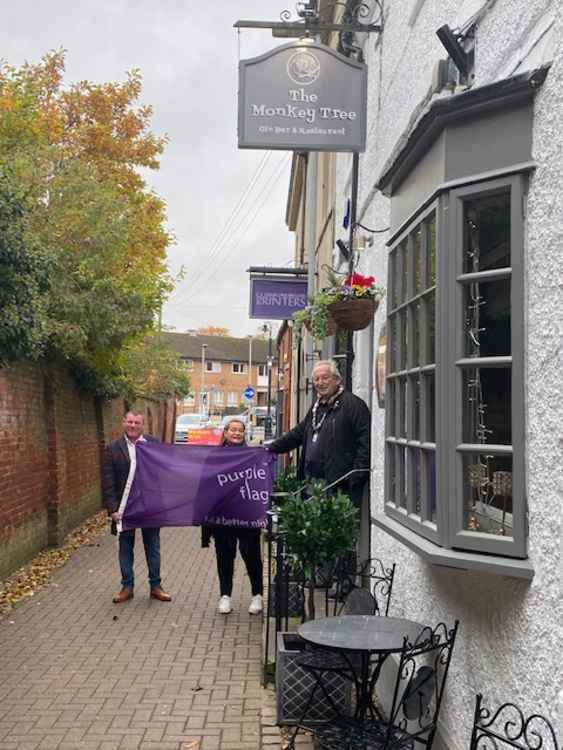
[[116, 467], [334, 436]]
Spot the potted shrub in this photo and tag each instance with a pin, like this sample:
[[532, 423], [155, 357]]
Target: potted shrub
[[316, 531]]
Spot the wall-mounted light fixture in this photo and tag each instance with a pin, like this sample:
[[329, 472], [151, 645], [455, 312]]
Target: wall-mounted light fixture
[[362, 241], [451, 43]]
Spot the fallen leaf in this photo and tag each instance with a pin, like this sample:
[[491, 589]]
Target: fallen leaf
[[190, 744], [27, 580]]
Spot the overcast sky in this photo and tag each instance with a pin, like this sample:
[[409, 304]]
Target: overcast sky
[[226, 207]]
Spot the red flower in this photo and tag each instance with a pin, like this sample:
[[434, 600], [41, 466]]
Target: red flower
[[356, 279]]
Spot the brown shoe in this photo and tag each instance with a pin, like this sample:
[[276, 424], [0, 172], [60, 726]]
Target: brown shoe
[[160, 594], [123, 596]]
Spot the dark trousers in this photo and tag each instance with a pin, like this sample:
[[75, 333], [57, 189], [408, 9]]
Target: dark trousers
[[226, 549], [151, 543]]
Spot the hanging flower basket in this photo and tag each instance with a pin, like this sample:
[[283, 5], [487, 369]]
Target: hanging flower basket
[[354, 314], [349, 305], [330, 326]]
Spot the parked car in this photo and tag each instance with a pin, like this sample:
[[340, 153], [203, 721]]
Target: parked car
[[187, 422]]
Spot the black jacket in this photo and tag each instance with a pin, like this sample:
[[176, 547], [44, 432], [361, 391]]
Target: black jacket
[[345, 442]]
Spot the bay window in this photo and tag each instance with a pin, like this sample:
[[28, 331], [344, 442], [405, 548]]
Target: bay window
[[455, 482], [454, 423]]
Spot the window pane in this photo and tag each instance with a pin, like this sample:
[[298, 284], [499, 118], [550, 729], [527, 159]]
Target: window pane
[[402, 385], [404, 339], [487, 410], [417, 314], [405, 271], [416, 458], [402, 478], [430, 472], [431, 407], [390, 406], [392, 473], [431, 251], [393, 279], [487, 233], [394, 343], [430, 302], [417, 406], [417, 260], [487, 318], [488, 494]]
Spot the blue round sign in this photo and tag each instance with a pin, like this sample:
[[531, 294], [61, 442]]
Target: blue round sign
[[249, 392]]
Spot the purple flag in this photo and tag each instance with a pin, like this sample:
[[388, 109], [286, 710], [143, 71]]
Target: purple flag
[[186, 485]]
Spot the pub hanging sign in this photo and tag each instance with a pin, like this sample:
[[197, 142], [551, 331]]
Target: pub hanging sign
[[276, 298], [302, 96]]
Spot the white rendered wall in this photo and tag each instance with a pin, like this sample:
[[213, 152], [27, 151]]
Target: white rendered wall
[[511, 633]]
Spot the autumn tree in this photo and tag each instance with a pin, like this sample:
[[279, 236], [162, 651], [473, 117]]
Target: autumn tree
[[24, 281], [75, 152]]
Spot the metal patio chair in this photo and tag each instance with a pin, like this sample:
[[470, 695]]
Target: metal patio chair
[[371, 576], [412, 717], [508, 726]]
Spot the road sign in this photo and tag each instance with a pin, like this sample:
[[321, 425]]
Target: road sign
[[249, 393]]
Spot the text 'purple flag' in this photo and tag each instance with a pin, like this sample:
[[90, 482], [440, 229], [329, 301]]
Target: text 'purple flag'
[[190, 485]]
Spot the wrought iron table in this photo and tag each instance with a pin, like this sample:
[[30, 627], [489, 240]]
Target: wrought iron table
[[364, 641]]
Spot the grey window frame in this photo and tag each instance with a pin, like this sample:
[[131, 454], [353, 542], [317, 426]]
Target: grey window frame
[[515, 546], [408, 516], [450, 363]]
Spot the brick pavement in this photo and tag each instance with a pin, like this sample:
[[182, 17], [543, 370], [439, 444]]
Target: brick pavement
[[78, 672]]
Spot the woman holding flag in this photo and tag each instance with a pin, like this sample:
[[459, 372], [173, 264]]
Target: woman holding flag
[[226, 538]]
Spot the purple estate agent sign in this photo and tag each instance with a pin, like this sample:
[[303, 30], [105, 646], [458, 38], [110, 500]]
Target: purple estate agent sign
[[277, 299], [183, 485]]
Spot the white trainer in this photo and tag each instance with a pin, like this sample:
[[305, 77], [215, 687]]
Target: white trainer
[[225, 605], [256, 605]]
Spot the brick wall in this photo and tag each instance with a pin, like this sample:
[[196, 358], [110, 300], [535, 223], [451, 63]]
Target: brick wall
[[52, 438]]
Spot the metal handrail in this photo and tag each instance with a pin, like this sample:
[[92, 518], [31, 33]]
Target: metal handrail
[[329, 486]]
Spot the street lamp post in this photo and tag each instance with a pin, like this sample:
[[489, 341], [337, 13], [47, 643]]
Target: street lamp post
[[268, 426], [249, 360], [202, 389]]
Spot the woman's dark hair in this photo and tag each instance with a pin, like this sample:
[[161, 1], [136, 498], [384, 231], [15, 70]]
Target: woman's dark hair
[[226, 427]]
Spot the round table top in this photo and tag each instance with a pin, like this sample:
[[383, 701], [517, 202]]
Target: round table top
[[370, 633]]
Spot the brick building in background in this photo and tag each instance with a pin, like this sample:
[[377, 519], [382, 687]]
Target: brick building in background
[[220, 368]]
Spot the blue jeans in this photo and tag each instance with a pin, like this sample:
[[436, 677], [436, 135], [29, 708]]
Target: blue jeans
[[151, 543]]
